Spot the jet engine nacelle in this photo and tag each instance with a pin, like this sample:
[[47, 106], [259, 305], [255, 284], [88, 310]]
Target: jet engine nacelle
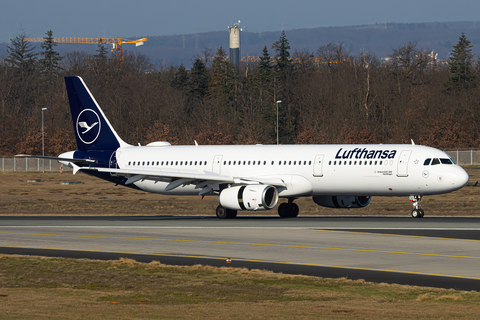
[[249, 197], [342, 201]]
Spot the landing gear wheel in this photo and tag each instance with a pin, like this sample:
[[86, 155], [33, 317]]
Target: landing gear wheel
[[283, 210], [295, 210], [416, 212], [421, 213], [288, 210], [224, 213]]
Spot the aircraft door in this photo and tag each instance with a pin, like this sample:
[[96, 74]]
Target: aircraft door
[[317, 166], [402, 166], [217, 164]]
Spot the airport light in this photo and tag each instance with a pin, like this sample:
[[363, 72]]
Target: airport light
[[279, 101], [43, 143]]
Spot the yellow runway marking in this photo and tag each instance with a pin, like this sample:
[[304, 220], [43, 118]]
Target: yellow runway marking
[[256, 260], [247, 244], [394, 235]]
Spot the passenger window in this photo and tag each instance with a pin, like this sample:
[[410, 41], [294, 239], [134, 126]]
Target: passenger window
[[143, 163], [427, 162], [304, 162], [272, 162], [294, 162], [248, 162], [329, 162], [195, 162], [234, 162], [310, 162], [204, 163], [339, 162], [435, 161], [190, 162], [280, 163], [229, 162], [334, 162]]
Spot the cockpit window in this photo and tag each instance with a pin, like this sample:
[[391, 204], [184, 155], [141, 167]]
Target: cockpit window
[[427, 162], [446, 161], [435, 161]]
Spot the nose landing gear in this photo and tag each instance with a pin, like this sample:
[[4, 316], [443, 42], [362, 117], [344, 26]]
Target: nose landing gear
[[416, 212]]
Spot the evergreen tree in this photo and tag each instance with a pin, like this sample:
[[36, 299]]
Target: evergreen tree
[[282, 55], [180, 79], [199, 79], [222, 75], [102, 52], [51, 58], [461, 74], [21, 56], [263, 76]]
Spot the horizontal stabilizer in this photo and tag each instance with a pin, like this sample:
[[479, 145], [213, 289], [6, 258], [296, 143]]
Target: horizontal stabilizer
[[77, 161]]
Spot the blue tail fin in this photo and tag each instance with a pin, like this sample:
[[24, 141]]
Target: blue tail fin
[[92, 129]]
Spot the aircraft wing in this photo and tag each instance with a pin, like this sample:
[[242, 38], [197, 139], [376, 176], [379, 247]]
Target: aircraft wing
[[205, 180]]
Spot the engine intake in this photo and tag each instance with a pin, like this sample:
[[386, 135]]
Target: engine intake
[[249, 197], [342, 201]]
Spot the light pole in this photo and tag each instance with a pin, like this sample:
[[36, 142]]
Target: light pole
[[279, 101], [43, 143]]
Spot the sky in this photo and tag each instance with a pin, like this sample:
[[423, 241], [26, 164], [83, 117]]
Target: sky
[[138, 18]]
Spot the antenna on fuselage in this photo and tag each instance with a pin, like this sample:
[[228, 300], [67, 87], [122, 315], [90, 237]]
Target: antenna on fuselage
[[413, 143]]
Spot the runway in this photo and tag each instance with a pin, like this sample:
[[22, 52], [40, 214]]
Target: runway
[[433, 251]]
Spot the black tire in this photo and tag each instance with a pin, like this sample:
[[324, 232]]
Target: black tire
[[415, 213], [221, 212], [283, 210], [421, 213], [231, 214], [294, 210], [224, 213]]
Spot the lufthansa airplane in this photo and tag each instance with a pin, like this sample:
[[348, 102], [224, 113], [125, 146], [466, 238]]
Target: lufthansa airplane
[[254, 177]]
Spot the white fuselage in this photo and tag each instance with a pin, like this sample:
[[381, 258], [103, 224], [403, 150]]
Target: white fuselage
[[306, 170]]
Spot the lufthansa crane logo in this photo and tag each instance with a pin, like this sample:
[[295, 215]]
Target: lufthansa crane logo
[[88, 126]]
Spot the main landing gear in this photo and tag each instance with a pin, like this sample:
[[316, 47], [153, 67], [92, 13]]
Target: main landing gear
[[288, 210], [224, 213], [416, 212]]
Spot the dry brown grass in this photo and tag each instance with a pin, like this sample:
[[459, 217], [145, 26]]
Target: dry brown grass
[[97, 196], [42, 288]]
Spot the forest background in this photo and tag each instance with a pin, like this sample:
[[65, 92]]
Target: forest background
[[327, 96]]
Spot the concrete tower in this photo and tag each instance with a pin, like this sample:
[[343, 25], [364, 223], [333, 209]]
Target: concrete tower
[[234, 53]]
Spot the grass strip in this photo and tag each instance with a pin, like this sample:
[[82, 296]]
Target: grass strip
[[43, 287]]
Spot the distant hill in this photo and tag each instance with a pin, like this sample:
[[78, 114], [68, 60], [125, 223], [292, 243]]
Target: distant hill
[[379, 39]]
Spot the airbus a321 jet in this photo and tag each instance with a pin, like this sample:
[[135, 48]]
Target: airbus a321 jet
[[254, 177]]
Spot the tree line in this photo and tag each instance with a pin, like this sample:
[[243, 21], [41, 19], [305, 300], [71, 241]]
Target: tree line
[[327, 96]]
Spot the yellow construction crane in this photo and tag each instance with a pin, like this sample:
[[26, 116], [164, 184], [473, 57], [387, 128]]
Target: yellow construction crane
[[115, 42]]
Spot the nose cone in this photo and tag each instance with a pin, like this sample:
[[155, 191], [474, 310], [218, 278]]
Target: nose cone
[[460, 178]]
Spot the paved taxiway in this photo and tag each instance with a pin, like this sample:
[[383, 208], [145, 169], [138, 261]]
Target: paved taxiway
[[444, 250]]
